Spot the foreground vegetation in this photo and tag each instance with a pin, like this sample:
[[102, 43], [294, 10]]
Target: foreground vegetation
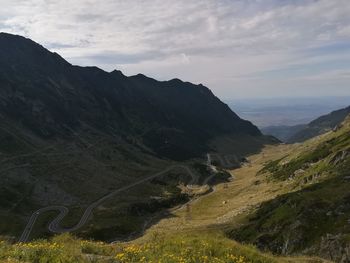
[[180, 248]]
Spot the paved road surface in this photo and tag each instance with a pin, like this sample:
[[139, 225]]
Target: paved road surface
[[54, 225]]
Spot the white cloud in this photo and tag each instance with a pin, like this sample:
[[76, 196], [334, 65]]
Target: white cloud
[[185, 59], [232, 46]]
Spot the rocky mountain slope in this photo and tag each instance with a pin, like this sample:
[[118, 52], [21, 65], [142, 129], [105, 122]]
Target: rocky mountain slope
[[313, 216], [50, 97], [319, 126], [71, 135]]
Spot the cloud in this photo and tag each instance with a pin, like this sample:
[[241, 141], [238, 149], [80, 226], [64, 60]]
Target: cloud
[[185, 58], [238, 48]]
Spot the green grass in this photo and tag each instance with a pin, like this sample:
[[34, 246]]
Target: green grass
[[317, 204], [187, 248], [283, 172], [303, 217], [324, 150]]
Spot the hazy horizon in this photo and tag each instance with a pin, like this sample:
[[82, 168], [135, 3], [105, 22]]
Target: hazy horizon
[[285, 111]]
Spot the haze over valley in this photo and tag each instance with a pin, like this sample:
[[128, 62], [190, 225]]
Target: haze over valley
[[287, 111], [175, 131]]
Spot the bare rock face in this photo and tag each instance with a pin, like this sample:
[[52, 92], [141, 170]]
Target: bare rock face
[[336, 128], [311, 178], [340, 157], [334, 248]]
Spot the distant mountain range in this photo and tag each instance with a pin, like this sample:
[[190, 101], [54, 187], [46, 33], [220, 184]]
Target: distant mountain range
[[286, 111], [303, 132], [320, 125]]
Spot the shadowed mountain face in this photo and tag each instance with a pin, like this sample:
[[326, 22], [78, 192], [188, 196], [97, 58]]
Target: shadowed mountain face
[[50, 97], [70, 135], [282, 133]]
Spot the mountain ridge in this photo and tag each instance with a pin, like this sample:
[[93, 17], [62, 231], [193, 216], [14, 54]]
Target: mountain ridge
[[146, 100], [70, 135], [320, 125]]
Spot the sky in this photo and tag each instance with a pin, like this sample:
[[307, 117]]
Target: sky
[[237, 48]]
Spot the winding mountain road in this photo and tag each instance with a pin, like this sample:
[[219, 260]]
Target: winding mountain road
[[54, 225]]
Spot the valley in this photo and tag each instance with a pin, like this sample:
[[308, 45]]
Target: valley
[[212, 216], [71, 136], [306, 213], [54, 225], [97, 166], [230, 201]]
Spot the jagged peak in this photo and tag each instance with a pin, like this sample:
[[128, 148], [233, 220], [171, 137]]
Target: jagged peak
[[117, 72]]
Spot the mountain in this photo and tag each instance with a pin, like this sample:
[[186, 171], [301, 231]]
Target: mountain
[[312, 213], [72, 135], [283, 132], [320, 125], [50, 97]]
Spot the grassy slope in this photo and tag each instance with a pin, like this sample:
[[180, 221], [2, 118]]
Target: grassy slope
[[229, 207], [35, 176], [161, 248], [181, 236], [314, 216], [242, 194], [36, 173]]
